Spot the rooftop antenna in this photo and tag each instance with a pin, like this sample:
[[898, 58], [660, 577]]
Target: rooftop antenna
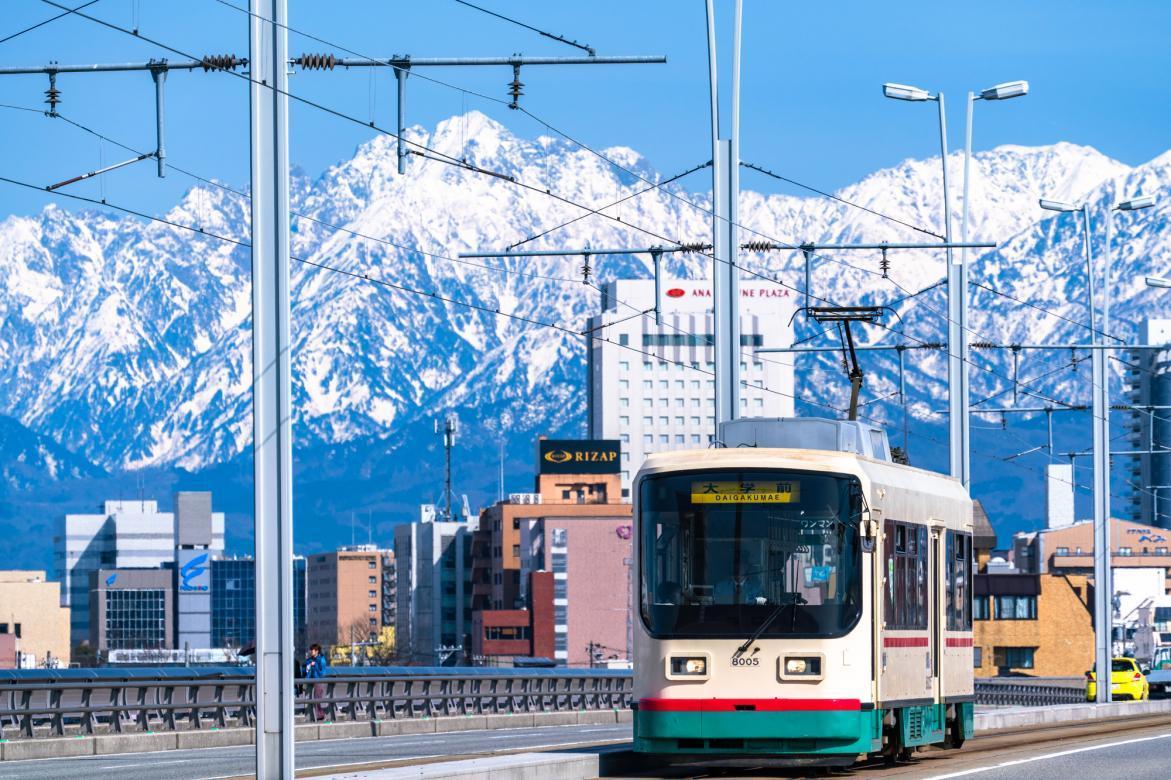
[[450, 428]]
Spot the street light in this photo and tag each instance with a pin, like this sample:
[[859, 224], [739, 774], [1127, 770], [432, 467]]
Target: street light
[[1101, 428], [1005, 91], [1158, 281], [957, 375]]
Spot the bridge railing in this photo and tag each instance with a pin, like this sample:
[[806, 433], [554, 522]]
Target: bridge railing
[[120, 701], [1021, 693]]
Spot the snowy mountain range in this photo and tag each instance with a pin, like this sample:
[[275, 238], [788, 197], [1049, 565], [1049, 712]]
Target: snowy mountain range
[[128, 343]]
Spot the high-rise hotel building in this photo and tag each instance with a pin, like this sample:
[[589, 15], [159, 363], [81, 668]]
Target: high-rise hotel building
[[645, 389]]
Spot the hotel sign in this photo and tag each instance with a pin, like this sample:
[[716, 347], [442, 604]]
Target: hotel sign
[[576, 456]]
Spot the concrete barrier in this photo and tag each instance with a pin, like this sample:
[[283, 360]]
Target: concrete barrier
[[52, 747], [108, 744], [209, 738], [349, 729], [554, 719], [518, 766], [392, 728], [1058, 714]]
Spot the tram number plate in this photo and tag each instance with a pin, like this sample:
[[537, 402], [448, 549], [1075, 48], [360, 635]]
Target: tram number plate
[[745, 661]]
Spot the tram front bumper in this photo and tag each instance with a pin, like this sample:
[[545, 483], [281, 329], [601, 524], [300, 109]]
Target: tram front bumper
[[773, 727]]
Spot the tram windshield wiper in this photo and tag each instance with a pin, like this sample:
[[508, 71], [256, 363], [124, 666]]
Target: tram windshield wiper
[[798, 599]]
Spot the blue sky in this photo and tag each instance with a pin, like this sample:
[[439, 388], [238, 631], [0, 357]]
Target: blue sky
[[812, 104]]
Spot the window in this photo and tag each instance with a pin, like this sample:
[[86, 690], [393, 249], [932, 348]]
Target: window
[[373, 623], [648, 438], [373, 607], [1062, 551], [679, 438], [623, 339], [664, 384], [977, 657], [1160, 550], [648, 402], [695, 438], [695, 403], [648, 420], [1016, 607], [372, 594], [1013, 657], [1125, 551], [694, 384], [623, 384], [678, 403], [623, 365], [906, 589], [664, 421], [516, 550], [721, 569], [648, 384], [679, 420], [664, 438], [663, 403], [516, 523], [624, 420], [371, 564], [624, 402], [695, 421], [759, 403], [647, 365], [371, 579], [624, 438], [959, 608], [980, 607]]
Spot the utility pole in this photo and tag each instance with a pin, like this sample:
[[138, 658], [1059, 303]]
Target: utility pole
[[272, 400], [725, 215]]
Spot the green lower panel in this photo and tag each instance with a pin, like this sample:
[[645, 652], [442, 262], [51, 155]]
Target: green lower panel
[[922, 725], [967, 715], [780, 733]]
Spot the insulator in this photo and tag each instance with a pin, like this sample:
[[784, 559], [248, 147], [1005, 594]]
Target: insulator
[[53, 95], [221, 62], [585, 271], [884, 265], [758, 246], [515, 87], [697, 246], [317, 61]]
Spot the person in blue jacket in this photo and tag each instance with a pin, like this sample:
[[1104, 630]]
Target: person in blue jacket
[[314, 668]]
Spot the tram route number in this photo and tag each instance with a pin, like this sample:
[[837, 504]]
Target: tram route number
[[745, 661]]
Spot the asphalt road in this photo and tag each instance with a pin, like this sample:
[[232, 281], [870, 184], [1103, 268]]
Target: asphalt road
[[238, 761]]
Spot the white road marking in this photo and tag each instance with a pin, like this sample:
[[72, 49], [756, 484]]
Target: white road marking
[[1047, 756]]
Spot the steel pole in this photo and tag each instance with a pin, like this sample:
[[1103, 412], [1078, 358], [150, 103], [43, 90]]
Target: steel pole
[[400, 77], [271, 399], [955, 301], [1103, 587], [160, 78], [965, 348]]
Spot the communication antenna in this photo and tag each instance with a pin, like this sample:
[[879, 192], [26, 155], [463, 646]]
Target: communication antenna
[[450, 428]]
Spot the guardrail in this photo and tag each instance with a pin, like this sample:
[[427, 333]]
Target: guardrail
[[1018, 693], [122, 701]]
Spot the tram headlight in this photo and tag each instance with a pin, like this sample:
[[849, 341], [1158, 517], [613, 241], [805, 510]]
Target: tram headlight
[[803, 666], [691, 666]]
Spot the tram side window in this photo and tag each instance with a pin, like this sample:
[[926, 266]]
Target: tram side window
[[906, 576], [959, 578]]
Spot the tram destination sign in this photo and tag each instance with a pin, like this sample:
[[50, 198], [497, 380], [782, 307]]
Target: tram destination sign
[[580, 456], [770, 492]]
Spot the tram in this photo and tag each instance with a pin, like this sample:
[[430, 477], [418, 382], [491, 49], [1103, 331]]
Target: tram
[[800, 596]]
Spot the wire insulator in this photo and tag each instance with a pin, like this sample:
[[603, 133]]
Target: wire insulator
[[758, 246], [317, 61], [53, 95], [696, 246], [515, 87], [585, 270], [884, 265], [221, 62]]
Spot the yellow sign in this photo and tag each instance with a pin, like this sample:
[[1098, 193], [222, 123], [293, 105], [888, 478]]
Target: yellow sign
[[770, 492]]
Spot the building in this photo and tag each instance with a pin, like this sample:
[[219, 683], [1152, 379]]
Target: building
[[1032, 624], [132, 609], [551, 569], [654, 404], [1147, 383], [346, 602], [433, 566], [193, 540], [34, 627], [233, 603], [127, 534], [1070, 549]]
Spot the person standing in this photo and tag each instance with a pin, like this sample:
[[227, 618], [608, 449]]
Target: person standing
[[314, 669]]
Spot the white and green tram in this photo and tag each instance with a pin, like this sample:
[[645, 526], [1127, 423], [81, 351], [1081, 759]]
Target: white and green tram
[[800, 596]]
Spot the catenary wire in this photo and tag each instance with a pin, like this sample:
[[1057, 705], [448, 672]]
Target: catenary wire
[[560, 38], [43, 22]]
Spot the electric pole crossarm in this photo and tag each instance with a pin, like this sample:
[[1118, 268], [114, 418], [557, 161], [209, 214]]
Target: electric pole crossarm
[[582, 252], [122, 67], [441, 62], [766, 246]]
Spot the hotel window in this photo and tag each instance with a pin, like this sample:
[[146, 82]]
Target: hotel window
[[648, 402], [664, 438], [757, 366], [695, 421], [371, 564], [626, 457], [624, 402], [695, 438], [623, 365], [664, 384], [759, 403], [664, 421], [694, 384], [711, 420], [623, 383], [678, 438], [679, 384], [663, 402], [743, 366], [624, 420], [679, 367], [648, 420], [647, 365], [679, 420], [711, 383], [624, 438], [695, 403], [623, 339], [743, 403], [663, 366], [373, 607], [648, 438], [679, 403], [647, 384]]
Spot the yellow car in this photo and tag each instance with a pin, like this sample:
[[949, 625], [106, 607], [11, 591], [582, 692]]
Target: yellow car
[[1127, 681]]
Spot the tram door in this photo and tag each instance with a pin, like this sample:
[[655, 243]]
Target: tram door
[[935, 611]]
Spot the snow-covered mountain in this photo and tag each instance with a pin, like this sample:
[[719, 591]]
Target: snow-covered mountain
[[129, 342]]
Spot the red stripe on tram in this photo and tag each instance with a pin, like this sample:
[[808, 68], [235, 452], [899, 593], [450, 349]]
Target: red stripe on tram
[[750, 705], [904, 641]]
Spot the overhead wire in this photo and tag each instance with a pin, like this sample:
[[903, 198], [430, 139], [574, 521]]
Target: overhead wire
[[517, 22], [42, 23]]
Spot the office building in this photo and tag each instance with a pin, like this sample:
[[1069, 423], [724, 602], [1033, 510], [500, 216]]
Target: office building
[[552, 570], [433, 565], [654, 404], [193, 540], [1070, 549], [233, 603], [345, 594], [1038, 625], [125, 535], [34, 627], [1147, 383], [132, 609]]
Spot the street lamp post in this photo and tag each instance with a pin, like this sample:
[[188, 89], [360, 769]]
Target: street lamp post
[[1103, 580], [957, 272]]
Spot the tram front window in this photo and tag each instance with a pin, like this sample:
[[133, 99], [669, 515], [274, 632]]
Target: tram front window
[[723, 551]]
